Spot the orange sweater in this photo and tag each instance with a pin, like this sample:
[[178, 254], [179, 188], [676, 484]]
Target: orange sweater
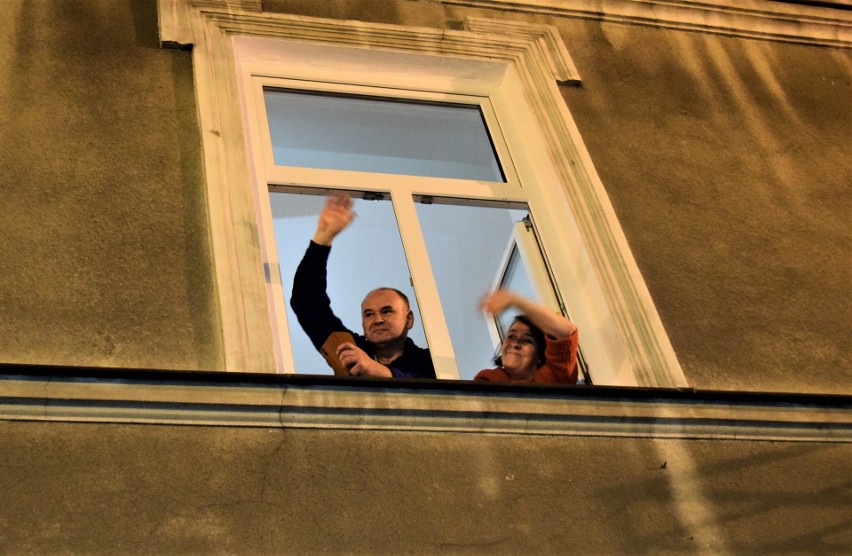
[[560, 365]]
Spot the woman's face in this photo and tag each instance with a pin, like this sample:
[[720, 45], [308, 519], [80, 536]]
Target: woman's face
[[519, 352]]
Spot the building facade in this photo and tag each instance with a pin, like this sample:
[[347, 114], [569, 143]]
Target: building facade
[[686, 165]]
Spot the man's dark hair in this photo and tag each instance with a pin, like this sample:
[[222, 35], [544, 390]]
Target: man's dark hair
[[537, 336]]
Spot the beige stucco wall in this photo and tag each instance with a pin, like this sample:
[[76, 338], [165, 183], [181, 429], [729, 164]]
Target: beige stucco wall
[[727, 162], [103, 233], [119, 489]]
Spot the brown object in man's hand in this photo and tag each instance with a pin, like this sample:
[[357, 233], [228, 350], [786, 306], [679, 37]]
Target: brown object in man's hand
[[329, 351]]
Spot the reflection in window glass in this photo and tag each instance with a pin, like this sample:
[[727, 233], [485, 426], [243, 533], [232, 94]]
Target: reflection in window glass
[[367, 255], [336, 132], [466, 248]]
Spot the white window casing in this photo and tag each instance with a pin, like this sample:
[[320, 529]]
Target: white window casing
[[517, 67]]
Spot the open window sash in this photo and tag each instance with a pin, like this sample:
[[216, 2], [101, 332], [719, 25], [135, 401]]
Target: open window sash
[[523, 270]]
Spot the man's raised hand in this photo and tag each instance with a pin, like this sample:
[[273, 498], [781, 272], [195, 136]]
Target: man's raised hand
[[336, 215]]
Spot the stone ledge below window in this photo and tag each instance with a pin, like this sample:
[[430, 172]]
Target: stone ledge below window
[[44, 393]]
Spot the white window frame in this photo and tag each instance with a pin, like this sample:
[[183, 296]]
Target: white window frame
[[403, 191], [517, 67]]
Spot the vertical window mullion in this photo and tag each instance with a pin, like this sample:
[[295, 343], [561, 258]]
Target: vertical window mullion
[[425, 287]]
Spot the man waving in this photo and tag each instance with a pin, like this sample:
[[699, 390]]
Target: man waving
[[384, 350]]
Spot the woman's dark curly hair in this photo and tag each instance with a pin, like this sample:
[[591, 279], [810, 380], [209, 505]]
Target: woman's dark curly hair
[[538, 340]]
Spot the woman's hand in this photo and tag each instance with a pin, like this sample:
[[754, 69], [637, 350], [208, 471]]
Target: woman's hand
[[497, 301], [550, 322]]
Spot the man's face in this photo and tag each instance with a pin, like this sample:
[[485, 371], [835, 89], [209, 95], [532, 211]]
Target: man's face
[[385, 317]]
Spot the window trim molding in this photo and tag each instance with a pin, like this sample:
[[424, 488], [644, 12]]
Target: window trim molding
[[749, 19], [172, 398], [779, 21], [535, 55]]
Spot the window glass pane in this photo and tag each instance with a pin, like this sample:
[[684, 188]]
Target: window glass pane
[[366, 255], [515, 279], [363, 134], [467, 246]]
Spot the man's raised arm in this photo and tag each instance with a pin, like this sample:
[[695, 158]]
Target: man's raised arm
[[310, 300]]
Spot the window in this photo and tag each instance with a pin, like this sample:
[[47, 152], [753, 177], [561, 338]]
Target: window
[[439, 153], [370, 243], [511, 81], [474, 249], [413, 148], [380, 135]]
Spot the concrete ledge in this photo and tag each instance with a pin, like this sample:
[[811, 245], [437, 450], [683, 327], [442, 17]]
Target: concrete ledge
[[261, 400]]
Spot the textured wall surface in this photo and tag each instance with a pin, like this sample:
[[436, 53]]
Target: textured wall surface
[[120, 489], [103, 232], [727, 162], [724, 159]]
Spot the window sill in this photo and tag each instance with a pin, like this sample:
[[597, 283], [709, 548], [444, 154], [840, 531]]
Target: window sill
[[71, 394]]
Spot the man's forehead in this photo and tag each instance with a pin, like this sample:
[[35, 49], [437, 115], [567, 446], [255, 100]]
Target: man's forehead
[[381, 298]]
